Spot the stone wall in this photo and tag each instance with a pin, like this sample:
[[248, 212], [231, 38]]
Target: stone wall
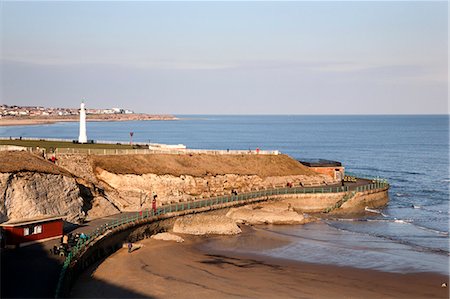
[[320, 202]]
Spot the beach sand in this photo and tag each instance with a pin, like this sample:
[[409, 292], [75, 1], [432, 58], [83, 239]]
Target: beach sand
[[192, 269], [43, 120]]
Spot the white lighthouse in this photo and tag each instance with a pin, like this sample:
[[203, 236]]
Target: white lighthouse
[[82, 138]]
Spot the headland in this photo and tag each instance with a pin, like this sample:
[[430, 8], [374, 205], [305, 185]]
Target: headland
[[163, 186], [41, 120]]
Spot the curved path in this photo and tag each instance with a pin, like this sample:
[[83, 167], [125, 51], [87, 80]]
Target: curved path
[[47, 269]]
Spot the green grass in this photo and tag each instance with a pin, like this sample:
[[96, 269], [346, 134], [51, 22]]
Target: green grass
[[61, 144]]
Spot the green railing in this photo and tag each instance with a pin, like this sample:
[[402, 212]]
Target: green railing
[[372, 184]]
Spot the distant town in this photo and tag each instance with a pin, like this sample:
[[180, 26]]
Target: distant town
[[33, 115], [15, 110]]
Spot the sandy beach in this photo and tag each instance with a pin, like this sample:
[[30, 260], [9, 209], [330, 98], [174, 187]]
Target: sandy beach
[[193, 269], [28, 121]]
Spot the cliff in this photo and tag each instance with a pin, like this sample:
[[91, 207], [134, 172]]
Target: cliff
[[31, 194], [135, 179], [31, 186], [89, 186]]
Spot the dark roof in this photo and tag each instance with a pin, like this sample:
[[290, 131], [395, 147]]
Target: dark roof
[[34, 220], [320, 163]]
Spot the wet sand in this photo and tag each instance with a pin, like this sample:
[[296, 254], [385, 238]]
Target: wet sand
[[163, 269]]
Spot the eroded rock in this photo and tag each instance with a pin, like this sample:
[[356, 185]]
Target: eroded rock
[[168, 237], [266, 215], [206, 225]]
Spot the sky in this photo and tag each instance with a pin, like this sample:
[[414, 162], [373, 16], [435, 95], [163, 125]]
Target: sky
[[228, 57]]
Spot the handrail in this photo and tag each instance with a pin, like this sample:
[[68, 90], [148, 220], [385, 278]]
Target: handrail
[[175, 151], [81, 245]]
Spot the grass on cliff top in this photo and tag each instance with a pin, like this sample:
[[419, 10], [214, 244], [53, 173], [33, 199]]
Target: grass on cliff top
[[14, 161], [61, 144], [200, 165]]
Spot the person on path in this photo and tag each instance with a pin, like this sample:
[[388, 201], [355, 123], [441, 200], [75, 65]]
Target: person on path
[[154, 203], [130, 246]]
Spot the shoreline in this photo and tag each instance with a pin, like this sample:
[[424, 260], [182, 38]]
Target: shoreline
[[6, 122], [162, 269]]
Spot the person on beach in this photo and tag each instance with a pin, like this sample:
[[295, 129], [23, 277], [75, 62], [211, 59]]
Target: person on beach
[[130, 246]]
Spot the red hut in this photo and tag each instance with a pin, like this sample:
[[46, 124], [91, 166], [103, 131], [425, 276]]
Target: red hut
[[18, 233]]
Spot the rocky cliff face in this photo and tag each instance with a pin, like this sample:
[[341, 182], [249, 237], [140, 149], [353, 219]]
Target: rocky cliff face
[[82, 186], [136, 191], [32, 194], [28, 194]]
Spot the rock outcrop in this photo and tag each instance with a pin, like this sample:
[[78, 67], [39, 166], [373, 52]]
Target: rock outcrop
[[28, 194], [168, 237], [31, 187], [88, 186], [206, 225], [136, 191], [266, 214]]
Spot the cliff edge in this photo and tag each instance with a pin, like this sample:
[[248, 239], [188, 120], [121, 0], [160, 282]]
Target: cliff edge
[[90, 186]]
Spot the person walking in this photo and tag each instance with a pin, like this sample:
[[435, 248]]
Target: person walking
[[130, 246], [154, 204]]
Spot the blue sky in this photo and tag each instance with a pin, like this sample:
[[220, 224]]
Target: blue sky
[[228, 57]]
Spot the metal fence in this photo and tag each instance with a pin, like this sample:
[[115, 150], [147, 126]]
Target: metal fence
[[375, 184], [155, 150], [36, 139], [96, 151]]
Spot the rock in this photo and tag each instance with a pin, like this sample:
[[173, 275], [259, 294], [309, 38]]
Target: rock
[[250, 215], [168, 237], [32, 194], [206, 225], [137, 189], [100, 207]]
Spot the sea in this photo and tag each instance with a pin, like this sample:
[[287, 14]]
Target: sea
[[410, 234]]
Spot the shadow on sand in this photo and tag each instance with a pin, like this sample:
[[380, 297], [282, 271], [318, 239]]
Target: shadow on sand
[[86, 286]]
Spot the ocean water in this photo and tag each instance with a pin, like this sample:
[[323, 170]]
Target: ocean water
[[412, 152]]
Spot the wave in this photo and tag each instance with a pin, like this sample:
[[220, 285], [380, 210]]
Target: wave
[[398, 194], [395, 220], [373, 169], [432, 230], [375, 211], [399, 240], [434, 191], [431, 210]]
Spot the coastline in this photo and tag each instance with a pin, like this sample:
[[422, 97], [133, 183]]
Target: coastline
[[29, 121], [162, 269]]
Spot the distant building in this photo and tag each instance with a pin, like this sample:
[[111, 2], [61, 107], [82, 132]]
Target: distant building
[[333, 169], [29, 231]]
